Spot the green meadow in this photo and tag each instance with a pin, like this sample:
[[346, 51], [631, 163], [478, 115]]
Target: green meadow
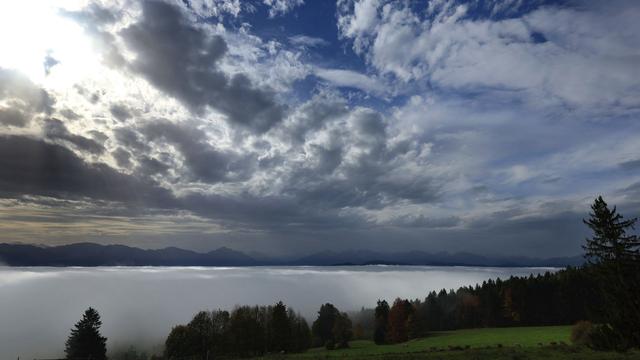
[[543, 342]]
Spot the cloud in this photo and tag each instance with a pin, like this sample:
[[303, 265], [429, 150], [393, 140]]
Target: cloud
[[56, 130], [351, 79], [499, 123], [13, 117], [120, 112], [21, 99], [307, 41], [281, 7], [34, 167], [209, 8], [205, 162], [589, 62], [181, 60], [122, 157], [631, 164]]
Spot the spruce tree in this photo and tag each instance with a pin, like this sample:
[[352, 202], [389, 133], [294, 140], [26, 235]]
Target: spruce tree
[[614, 256], [610, 241], [85, 341]]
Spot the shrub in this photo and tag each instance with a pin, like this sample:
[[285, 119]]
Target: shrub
[[581, 333], [605, 337]]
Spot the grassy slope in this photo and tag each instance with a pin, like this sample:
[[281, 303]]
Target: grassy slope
[[517, 343]]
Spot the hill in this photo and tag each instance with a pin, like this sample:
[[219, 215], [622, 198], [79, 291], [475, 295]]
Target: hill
[[89, 254]]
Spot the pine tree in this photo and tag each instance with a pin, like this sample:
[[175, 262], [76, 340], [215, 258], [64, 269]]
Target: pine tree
[[610, 241], [280, 328], [85, 341], [615, 256]]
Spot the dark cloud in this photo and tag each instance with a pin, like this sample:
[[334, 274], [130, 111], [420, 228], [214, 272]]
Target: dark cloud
[[122, 157], [273, 213], [421, 221], [99, 136], [181, 60], [630, 165], [205, 162], [120, 112], [130, 139], [69, 114], [55, 129], [151, 166], [314, 115], [34, 167]]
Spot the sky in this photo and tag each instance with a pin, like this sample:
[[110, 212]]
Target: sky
[[293, 126]]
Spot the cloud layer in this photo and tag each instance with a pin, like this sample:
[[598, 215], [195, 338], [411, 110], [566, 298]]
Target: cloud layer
[[484, 127]]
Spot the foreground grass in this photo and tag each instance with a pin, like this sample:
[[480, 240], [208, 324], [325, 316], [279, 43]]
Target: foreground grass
[[547, 342]]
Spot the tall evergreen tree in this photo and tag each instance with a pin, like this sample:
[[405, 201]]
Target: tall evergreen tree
[[615, 255], [610, 241], [280, 328], [322, 328], [85, 341]]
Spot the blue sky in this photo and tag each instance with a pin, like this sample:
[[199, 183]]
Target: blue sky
[[291, 126]]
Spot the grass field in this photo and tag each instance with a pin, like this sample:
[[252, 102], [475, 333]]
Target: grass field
[[549, 342]]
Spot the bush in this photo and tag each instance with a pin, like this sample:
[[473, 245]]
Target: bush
[[606, 338], [581, 333]]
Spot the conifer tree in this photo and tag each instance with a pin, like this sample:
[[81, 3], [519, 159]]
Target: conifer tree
[[614, 254], [610, 241], [85, 341]]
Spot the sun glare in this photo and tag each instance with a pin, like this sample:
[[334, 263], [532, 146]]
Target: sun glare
[[32, 31]]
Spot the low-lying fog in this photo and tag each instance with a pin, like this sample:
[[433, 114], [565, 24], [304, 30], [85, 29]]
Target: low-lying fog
[[38, 306]]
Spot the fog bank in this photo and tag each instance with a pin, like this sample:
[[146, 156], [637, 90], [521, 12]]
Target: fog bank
[[38, 306]]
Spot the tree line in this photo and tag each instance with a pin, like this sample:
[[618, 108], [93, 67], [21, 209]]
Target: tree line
[[605, 291], [246, 331], [255, 331], [558, 298]]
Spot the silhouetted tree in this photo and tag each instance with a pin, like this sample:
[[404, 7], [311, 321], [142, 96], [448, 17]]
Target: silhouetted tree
[[247, 331], [300, 333], [342, 331], [279, 329], [615, 255], [398, 320], [610, 241], [85, 340], [381, 322], [322, 328], [179, 343]]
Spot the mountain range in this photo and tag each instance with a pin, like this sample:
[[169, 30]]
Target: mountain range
[[89, 254]]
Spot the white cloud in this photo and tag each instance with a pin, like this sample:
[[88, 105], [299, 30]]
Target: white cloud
[[307, 41], [589, 57], [207, 8], [281, 7], [352, 79]]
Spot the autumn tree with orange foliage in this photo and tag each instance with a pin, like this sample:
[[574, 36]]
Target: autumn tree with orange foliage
[[399, 320]]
